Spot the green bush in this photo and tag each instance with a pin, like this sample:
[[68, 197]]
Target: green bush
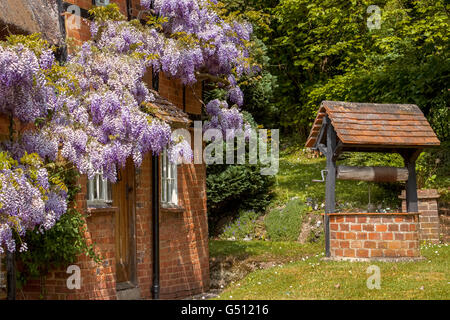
[[285, 224], [433, 171], [365, 159], [234, 188], [243, 227]]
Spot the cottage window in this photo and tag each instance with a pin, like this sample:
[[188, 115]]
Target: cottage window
[[99, 191], [169, 183], [101, 2]]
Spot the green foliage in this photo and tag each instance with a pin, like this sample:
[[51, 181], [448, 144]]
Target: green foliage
[[61, 245], [258, 88], [231, 188], [364, 159], [234, 188], [105, 13], [33, 42], [285, 224], [433, 171], [323, 49], [244, 226]]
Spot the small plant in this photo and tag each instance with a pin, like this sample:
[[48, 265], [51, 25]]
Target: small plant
[[244, 227], [285, 224]]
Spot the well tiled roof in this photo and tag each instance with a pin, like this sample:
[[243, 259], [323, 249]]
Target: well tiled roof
[[167, 111], [372, 124]]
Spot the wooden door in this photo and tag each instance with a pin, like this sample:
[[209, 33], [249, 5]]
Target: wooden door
[[124, 199]]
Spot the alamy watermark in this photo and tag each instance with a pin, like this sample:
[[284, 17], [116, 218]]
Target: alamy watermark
[[263, 147], [374, 20], [74, 280], [374, 281]]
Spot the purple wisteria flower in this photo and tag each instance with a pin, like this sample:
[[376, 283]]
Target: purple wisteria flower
[[93, 115], [181, 152]]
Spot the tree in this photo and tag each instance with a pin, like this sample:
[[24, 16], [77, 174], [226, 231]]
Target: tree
[[325, 50]]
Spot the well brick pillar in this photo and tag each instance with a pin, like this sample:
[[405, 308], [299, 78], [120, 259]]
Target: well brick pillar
[[444, 216], [428, 214]]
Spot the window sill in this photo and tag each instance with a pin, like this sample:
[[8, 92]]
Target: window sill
[[104, 210], [99, 204], [171, 208]]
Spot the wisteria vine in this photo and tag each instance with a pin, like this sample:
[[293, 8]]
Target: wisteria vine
[[92, 111]]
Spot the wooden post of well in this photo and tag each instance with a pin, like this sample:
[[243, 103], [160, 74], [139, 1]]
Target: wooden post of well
[[412, 202], [330, 188]]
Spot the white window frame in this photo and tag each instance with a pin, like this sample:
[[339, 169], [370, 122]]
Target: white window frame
[[99, 193], [169, 181], [101, 2]]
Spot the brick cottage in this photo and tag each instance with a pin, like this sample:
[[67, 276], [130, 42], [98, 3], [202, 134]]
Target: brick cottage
[[119, 216]]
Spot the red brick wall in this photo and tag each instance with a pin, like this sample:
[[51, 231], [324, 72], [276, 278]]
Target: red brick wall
[[184, 253], [444, 222], [172, 90], [357, 235], [183, 232], [429, 215], [184, 237], [97, 280]]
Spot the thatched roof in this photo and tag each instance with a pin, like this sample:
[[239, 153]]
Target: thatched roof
[[30, 16]]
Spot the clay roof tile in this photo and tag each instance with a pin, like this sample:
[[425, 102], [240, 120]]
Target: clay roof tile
[[402, 125]]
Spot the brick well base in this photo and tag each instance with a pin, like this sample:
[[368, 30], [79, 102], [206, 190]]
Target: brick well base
[[428, 214], [374, 235]]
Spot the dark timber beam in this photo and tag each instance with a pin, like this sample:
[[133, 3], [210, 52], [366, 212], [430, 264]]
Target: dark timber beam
[[372, 174], [155, 227], [323, 130], [410, 157], [322, 148], [330, 188], [11, 275], [338, 150]]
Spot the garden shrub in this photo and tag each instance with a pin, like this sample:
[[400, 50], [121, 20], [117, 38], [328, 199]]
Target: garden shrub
[[285, 224], [234, 188], [243, 227]]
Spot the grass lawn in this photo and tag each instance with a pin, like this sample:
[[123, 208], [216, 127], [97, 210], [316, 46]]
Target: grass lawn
[[302, 275]]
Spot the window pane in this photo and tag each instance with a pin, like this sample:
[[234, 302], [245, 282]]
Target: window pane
[[95, 188], [91, 189], [168, 180], [99, 189]]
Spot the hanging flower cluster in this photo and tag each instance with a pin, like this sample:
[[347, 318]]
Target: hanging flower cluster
[[27, 199], [181, 151], [91, 110], [202, 41], [24, 92], [223, 117]]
